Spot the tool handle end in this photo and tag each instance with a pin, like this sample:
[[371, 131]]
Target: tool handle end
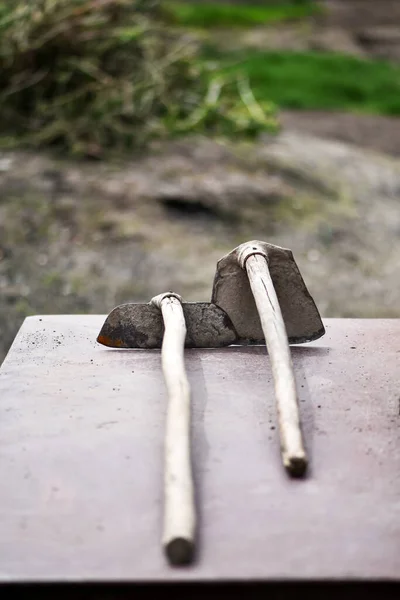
[[296, 466], [180, 551]]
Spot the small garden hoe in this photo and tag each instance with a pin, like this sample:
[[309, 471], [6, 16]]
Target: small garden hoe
[[168, 323], [260, 287]]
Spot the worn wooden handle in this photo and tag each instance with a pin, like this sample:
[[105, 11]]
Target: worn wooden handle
[[179, 510], [292, 447]]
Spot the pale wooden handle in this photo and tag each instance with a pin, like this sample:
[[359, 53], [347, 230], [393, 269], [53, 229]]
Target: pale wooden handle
[[292, 447], [179, 511]]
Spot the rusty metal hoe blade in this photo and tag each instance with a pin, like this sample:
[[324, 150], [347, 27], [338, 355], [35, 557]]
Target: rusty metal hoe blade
[[260, 287], [166, 322], [137, 325]]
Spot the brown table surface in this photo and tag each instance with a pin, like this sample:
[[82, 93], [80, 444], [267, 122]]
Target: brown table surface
[[81, 459]]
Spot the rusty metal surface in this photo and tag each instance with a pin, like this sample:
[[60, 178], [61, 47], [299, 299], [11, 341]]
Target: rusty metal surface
[[81, 457], [232, 292], [141, 326]]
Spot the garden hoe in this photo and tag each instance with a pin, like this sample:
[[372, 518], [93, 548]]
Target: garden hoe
[[260, 287], [168, 323]]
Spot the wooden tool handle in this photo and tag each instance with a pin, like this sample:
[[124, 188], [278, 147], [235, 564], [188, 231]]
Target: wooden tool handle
[[179, 511], [292, 447]]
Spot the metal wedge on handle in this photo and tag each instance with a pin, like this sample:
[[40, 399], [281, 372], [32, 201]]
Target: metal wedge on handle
[[179, 505], [260, 287]]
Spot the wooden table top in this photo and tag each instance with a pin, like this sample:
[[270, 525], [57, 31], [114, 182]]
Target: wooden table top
[[81, 459]]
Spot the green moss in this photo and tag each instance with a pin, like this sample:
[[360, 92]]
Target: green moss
[[22, 308], [52, 280], [213, 14], [316, 81]]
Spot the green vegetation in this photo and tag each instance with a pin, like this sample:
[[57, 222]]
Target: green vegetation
[[323, 81], [213, 14], [89, 78], [93, 77]]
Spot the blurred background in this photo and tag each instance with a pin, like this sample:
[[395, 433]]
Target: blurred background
[[142, 140]]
